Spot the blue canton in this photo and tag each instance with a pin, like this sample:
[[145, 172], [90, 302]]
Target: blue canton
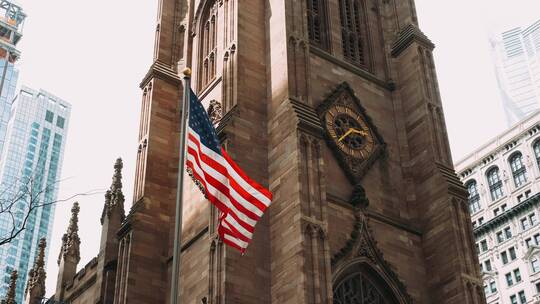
[[200, 123]]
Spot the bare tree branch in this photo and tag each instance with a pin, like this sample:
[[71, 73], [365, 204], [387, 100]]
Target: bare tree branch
[[27, 196]]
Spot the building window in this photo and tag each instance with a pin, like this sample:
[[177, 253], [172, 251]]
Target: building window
[[208, 46], [513, 299], [517, 275], [528, 242], [488, 265], [353, 31], [49, 116], [512, 252], [536, 148], [474, 197], [495, 184], [532, 219], [507, 233], [538, 287], [504, 257], [317, 23], [509, 280], [496, 212], [60, 122], [537, 239], [503, 207], [522, 298], [483, 245], [518, 170], [493, 286], [500, 237], [504, 235], [525, 223], [535, 264], [480, 220]]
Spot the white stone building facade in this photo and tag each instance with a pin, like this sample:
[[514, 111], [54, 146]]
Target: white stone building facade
[[503, 180]]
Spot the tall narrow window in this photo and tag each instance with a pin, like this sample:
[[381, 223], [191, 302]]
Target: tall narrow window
[[518, 169], [207, 46], [474, 197], [353, 31], [317, 25], [495, 184], [536, 148]]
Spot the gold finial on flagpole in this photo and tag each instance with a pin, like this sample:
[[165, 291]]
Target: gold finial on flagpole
[[187, 72]]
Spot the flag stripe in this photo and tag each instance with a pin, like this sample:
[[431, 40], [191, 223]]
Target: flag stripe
[[241, 201], [248, 200], [223, 194], [220, 199], [232, 169]]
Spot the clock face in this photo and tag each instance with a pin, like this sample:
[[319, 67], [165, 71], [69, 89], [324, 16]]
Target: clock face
[[349, 131]]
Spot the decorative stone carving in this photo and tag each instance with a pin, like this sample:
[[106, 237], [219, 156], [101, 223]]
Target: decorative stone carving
[[10, 296], [362, 246], [71, 241], [35, 287], [114, 198], [215, 112]]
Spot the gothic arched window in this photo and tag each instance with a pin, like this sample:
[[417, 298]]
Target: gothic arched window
[[207, 45], [317, 23], [474, 197], [359, 282], [495, 183], [357, 288], [518, 169], [353, 31]]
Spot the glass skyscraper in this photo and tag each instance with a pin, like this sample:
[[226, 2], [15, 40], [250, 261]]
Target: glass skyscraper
[[11, 24], [29, 173], [6, 98], [517, 63]]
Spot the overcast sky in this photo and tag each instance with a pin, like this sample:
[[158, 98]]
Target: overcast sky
[[94, 54]]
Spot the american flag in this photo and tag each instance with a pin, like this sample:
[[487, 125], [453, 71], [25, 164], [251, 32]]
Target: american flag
[[241, 201]]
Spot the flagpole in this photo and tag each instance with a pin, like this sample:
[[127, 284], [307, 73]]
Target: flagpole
[[179, 187]]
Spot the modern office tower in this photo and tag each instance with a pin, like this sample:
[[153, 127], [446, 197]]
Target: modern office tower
[[11, 25], [29, 173], [517, 65], [503, 180]]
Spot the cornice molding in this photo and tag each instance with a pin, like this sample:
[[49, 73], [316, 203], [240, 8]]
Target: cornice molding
[[308, 120], [409, 34], [505, 217], [162, 71]]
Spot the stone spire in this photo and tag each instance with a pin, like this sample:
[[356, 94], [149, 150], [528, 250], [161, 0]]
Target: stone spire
[[71, 240], [35, 287], [69, 255], [111, 221], [10, 296], [114, 198]]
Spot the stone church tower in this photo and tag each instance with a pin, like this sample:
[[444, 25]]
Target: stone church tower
[[334, 106], [376, 214]]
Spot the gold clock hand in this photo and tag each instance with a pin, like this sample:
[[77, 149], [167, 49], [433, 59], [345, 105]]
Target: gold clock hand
[[352, 130], [346, 134], [361, 132]]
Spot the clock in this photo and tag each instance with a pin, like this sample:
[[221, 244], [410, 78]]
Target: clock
[[349, 131], [350, 134]]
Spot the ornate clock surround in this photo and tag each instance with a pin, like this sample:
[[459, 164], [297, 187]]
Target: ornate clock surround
[[354, 163]]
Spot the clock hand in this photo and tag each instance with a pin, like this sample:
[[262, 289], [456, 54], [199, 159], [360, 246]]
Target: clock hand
[[346, 134], [352, 130], [361, 132]]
